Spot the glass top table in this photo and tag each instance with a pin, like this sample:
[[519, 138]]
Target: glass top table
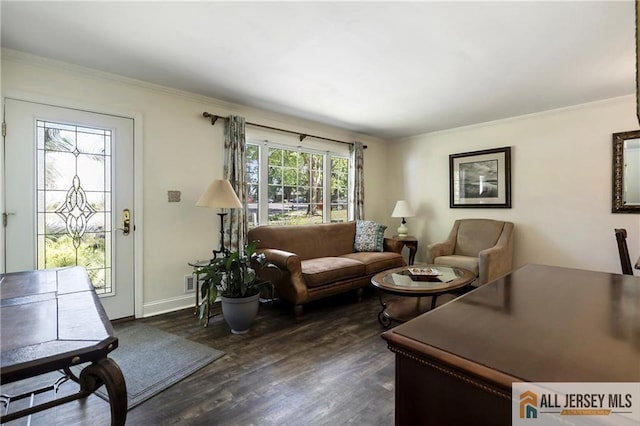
[[415, 282]]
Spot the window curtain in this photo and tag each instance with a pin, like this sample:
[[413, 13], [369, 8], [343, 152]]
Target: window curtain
[[235, 162], [357, 166]]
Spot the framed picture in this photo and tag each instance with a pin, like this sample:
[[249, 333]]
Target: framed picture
[[480, 179]]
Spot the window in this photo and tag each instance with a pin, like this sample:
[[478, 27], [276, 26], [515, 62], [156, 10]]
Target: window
[[339, 189], [289, 186], [74, 199]]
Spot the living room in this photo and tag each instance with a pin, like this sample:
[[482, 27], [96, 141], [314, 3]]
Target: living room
[[561, 170]]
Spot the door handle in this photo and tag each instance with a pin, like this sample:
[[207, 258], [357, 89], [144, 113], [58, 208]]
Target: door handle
[[126, 222], [5, 216]]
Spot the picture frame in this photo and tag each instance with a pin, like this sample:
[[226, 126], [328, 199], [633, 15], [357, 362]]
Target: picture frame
[[480, 179]]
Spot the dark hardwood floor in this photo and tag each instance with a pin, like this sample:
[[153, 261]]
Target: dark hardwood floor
[[330, 368]]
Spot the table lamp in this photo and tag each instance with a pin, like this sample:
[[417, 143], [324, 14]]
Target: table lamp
[[402, 209], [219, 194]]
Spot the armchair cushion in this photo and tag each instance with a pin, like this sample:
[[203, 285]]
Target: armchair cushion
[[469, 263]]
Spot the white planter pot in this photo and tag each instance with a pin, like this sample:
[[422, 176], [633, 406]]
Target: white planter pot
[[240, 312]]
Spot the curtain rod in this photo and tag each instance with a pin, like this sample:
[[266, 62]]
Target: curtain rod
[[302, 136]]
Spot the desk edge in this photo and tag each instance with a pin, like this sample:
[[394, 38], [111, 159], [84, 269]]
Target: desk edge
[[479, 375]]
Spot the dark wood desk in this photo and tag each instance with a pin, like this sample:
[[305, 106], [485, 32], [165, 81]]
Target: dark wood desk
[[456, 364], [51, 320]]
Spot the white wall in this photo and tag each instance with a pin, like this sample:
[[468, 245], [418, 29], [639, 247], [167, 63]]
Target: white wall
[[181, 151], [561, 183]]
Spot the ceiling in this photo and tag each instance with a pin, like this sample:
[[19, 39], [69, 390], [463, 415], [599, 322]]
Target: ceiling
[[387, 69]]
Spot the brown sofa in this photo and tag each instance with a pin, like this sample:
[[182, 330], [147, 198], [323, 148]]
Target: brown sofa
[[319, 260]]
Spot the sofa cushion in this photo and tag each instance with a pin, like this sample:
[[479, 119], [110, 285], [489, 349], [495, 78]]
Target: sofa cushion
[[369, 236], [377, 261], [325, 270]]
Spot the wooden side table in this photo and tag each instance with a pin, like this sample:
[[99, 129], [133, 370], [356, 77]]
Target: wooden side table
[[197, 266], [411, 243]]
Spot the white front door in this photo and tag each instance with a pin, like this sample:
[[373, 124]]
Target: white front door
[[69, 196]]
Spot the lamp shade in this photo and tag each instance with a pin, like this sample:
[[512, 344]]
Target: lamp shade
[[402, 209], [219, 194]]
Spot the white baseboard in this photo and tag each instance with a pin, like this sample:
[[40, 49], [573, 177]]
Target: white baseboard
[[168, 305]]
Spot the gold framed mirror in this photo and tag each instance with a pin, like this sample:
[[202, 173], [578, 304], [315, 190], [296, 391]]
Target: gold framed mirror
[[626, 172]]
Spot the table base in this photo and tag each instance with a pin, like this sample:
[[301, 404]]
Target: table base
[[403, 309], [104, 371]]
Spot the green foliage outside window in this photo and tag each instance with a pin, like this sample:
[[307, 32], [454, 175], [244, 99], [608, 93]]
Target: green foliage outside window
[[295, 186], [90, 254]]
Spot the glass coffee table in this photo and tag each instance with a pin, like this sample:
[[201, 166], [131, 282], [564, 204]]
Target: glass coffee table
[[414, 283]]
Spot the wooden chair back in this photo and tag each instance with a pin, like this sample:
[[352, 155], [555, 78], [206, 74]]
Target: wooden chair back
[[625, 260]]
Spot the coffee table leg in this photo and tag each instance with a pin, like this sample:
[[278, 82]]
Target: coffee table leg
[[433, 301], [383, 319]]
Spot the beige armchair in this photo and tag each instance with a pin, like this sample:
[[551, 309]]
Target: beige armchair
[[482, 246]]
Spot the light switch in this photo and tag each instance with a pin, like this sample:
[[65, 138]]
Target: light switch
[[174, 196]]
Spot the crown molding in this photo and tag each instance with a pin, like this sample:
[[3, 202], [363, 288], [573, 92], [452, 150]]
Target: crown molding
[[545, 113], [218, 106], [54, 64]]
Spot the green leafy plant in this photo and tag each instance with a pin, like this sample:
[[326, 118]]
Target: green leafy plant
[[233, 275]]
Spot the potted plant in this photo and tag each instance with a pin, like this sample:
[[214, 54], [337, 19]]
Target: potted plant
[[233, 276]]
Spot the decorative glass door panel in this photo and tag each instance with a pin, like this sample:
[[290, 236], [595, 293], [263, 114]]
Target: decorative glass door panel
[[69, 182], [74, 198]]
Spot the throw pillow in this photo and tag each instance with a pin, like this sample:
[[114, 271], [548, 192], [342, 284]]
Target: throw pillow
[[369, 236]]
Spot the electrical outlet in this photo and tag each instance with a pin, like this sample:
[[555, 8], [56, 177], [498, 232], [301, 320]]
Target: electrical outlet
[[189, 283], [173, 196]]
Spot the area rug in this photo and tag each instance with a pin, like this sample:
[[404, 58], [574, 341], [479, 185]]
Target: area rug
[[151, 360]]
